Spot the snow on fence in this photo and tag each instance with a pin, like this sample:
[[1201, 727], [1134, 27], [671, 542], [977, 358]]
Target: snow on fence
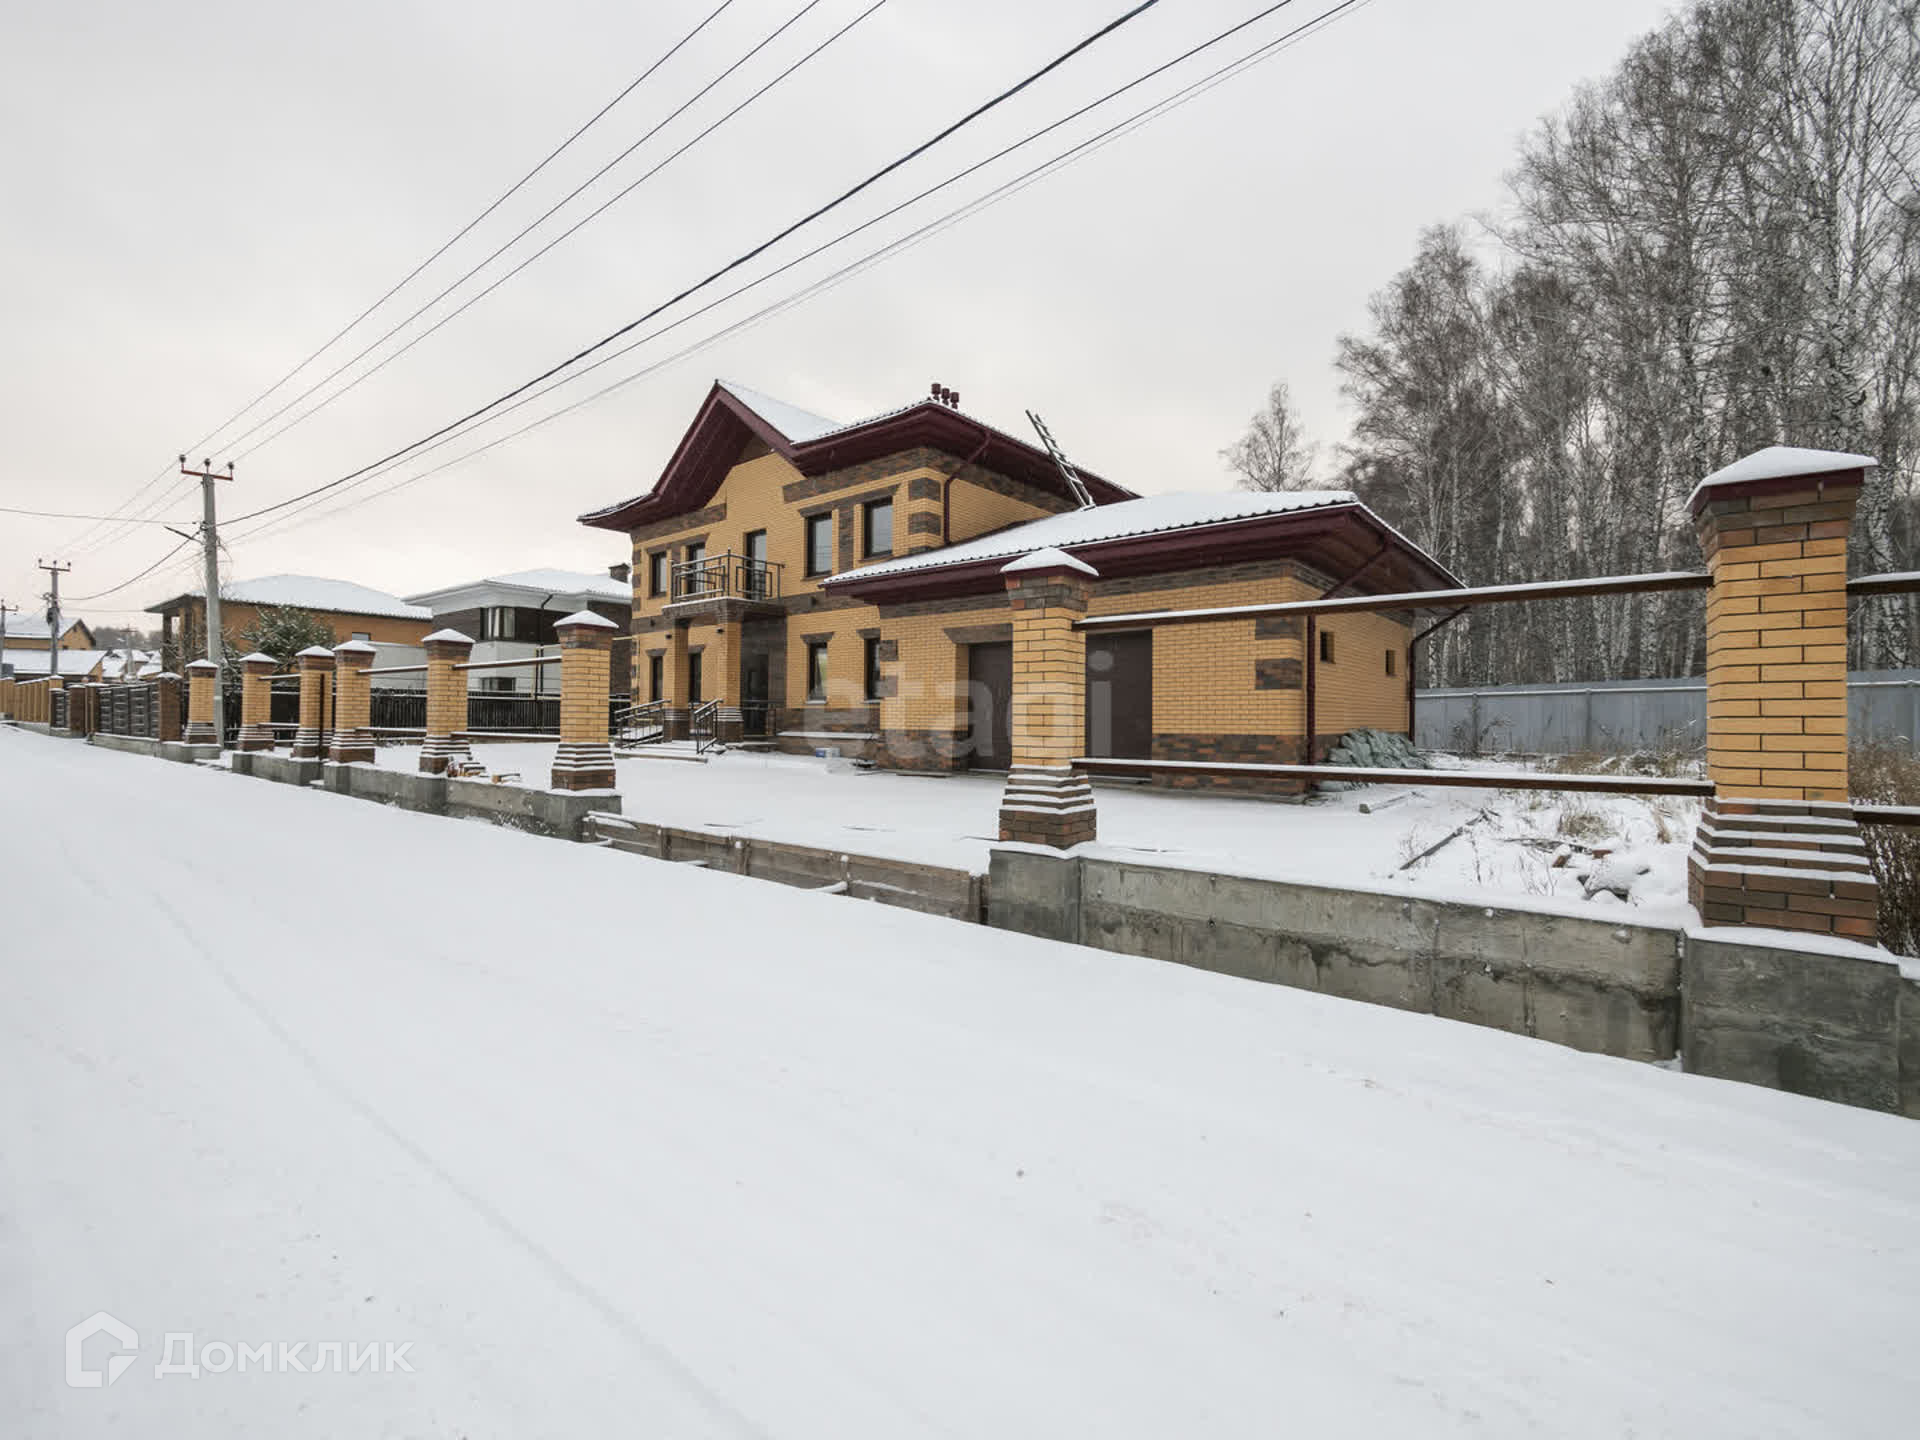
[[1624, 715]]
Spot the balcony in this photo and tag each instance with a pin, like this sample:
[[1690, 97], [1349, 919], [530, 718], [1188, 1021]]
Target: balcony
[[725, 583]]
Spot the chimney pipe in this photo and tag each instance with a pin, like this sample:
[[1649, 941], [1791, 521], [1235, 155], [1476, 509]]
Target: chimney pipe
[[622, 573], [953, 398]]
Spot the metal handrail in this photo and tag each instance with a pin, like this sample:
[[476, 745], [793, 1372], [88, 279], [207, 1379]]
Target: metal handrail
[[728, 575], [636, 717], [705, 717]]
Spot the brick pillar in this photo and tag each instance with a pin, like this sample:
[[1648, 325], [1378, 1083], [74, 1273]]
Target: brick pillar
[[584, 760], [316, 681], [1047, 801], [256, 702], [446, 701], [200, 729], [675, 715], [720, 670], [166, 700], [6, 698], [352, 704], [1777, 845]]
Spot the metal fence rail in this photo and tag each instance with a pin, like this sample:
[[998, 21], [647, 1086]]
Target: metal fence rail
[[1629, 715]]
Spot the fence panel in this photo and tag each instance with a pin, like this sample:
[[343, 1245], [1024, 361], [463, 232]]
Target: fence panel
[[1629, 714]]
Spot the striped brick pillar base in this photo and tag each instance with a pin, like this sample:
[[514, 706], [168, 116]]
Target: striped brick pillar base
[[1047, 801], [256, 702], [200, 675], [352, 741], [316, 680], [1777, 845], [446, 739], [584, 760]]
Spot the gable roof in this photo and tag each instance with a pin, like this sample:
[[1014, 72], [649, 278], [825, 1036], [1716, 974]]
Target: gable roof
[[32, 625], [308, 592], [733, 415], [27, 663], [1329, 530]]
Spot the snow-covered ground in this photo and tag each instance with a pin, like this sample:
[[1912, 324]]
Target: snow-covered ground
[[1508, 849], [623, 1148]]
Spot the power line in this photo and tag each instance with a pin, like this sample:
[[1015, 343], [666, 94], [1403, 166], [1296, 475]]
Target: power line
[[571, 230], [1031, 176], [564, 200], [1109, 28], [512, 190], [466, 229], [126, 584], [67, 515]]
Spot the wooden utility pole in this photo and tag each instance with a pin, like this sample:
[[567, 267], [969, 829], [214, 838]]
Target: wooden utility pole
[[210, 548]]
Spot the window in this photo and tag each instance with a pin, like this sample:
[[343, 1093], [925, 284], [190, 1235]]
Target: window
[[693, 677], [755, 546], [879, 527], [819, 544], [871, 666], [499, 623], [657, 573], [656, 675], [816, 670], [1389, 662], [363, 635], [1326, 647], [498, 684]]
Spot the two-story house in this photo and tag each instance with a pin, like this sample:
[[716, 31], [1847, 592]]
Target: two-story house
[[511, 617], [826, 585]]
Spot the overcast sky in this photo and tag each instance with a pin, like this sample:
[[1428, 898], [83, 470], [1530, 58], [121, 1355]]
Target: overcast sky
[[201, 192]]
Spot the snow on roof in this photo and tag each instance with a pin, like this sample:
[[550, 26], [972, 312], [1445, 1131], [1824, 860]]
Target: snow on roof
[[1784, 462], [790, 420], [316, 592], [34, 662], [356, 647], [1148, 515], [449, 635], [320, 650], [543, 582], [32, 624], [1049, 558], [201, 665], [257, 655], [587, 617]]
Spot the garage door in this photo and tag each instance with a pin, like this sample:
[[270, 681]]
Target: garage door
[[1120, 694]]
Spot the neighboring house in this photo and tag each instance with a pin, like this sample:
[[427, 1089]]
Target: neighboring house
[[127, 664], [840, 585], [27, 630], [75, 665], [511, 617], [354, 612]]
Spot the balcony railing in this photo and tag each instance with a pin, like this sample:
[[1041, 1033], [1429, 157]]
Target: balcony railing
[[725, 577]]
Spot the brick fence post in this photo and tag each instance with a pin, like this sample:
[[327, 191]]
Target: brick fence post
[[256, 702], [352, 704], [316, 681], [446, 701], [584, 760], [6, 697], [1047, 801], [1777, 845], [200, 675]]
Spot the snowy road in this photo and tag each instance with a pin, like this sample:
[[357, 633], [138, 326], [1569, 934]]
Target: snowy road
[[618, 1148]]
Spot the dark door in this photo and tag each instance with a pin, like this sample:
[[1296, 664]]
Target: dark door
[[989, 706], [753, 693], [693, 677], [1120, 694]]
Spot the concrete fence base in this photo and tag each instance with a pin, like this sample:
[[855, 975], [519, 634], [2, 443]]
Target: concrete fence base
[[1841, 1023], [933, 890], [158, 749]]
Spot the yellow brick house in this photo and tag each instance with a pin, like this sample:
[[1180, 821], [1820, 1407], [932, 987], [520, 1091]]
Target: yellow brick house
[[814, 586]]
